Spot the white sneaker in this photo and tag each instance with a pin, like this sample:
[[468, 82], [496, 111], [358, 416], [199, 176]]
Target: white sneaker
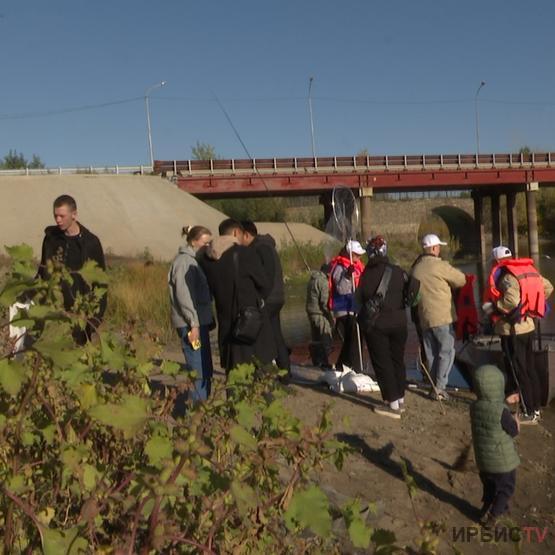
[[388, 411]]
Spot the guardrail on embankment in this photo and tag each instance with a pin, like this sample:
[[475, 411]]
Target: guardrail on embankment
[[86, 170]]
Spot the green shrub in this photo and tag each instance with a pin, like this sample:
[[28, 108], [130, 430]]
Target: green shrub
[[91, 459]]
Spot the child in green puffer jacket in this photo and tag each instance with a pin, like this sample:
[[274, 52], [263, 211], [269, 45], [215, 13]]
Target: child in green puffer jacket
[[493, 430]]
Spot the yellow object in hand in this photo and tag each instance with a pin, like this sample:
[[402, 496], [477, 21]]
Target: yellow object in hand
[[195, 344]]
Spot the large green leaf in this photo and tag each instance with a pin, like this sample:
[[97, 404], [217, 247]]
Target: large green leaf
[[359, 532], [66, 542], [22, 260], [45, 312], [12, 290], [240, 436], [56, 345], [309, 508], [92, 273], [113, 352], [246, 414], [12, 376], [20, 252], [86, 393], [244, 495], [129, 416], [158, 448]]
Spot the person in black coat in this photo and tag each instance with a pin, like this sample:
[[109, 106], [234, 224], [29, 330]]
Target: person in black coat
[[70, 243], [383, 322], [265, 248], [250, 288]]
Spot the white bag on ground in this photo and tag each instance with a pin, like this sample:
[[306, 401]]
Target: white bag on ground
[[16, 332], [349, 381]]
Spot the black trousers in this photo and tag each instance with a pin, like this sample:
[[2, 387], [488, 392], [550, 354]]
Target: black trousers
[[282, 358], [387, 350], [349, 354], [498, 489], [520, 369]]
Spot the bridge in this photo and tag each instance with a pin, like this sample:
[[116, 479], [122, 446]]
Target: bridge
[[484, 175]]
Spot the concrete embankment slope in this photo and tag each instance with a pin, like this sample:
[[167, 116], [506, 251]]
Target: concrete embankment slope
[[128, 213]]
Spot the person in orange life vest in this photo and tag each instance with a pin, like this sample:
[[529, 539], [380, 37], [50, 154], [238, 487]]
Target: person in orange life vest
[[515, 295], [345, 270]]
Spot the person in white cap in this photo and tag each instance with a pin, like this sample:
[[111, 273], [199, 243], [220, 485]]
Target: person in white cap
[[515, 295], [345, 271], [435, 311]]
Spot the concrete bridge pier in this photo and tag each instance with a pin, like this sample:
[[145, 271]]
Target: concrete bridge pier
[[496, 232], [478, 199], [325, 201], [512, 230], [532, 218], [365, 200]]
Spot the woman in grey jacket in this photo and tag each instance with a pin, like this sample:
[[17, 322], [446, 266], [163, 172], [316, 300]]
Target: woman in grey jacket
[[191, 308]]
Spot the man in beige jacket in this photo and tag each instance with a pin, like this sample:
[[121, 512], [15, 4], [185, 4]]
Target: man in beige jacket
[[509, 280], [436, 312]]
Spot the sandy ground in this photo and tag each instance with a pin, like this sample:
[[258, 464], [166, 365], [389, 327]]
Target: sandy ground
[[431, 443]]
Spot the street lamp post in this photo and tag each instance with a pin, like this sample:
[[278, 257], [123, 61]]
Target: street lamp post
[[310, 112], [147, 107], [476, 113]]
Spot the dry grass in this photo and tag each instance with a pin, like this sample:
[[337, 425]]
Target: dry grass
[[138, 295]]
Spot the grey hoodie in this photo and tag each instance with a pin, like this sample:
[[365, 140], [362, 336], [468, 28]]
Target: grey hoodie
[[191, 302]]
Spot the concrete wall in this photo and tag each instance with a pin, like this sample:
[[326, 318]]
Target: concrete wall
[[128, 213], [403, 217]]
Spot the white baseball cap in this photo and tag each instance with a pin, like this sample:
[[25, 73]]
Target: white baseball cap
[[501, 252], [355, 247], [431, 240]]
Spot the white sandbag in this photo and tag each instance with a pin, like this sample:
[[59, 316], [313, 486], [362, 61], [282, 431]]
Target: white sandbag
[[352, 382], [17, 333], [349, 381], [331, 377]]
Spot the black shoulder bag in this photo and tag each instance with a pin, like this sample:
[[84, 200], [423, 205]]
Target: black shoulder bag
[[373, 306], [248, 322]]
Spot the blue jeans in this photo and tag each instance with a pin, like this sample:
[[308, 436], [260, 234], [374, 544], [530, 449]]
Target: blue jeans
[[199, 360], [439, 345]]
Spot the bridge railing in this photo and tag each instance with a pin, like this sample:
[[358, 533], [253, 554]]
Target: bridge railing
[[87, 170], [353, 163]]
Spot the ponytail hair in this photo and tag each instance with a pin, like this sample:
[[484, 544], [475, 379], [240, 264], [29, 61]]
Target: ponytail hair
[[194, 232]]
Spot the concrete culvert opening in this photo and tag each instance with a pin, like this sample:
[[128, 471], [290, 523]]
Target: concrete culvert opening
[[460, 226]]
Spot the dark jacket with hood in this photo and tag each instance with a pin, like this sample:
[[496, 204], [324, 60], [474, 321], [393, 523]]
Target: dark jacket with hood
[[265, 247], [494, 448], [251, 287], [393, 313], [72, 252]]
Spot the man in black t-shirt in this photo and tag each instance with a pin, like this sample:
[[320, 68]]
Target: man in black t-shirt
[[72, 244]]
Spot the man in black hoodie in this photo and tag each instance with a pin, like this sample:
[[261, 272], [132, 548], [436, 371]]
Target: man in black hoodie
[[72, 244], [265, 248]]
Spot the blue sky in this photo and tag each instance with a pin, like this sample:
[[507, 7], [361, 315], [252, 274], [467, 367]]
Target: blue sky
[[393, 76]]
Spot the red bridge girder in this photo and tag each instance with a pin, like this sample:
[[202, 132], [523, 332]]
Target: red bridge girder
[[390, 181], [298, 176]]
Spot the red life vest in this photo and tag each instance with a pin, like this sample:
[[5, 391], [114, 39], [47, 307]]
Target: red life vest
[[467, 315], [343, 302], [532, 294]]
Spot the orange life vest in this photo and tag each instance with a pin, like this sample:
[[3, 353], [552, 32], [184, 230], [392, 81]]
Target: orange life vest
[[532, 294], [336, 301]]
